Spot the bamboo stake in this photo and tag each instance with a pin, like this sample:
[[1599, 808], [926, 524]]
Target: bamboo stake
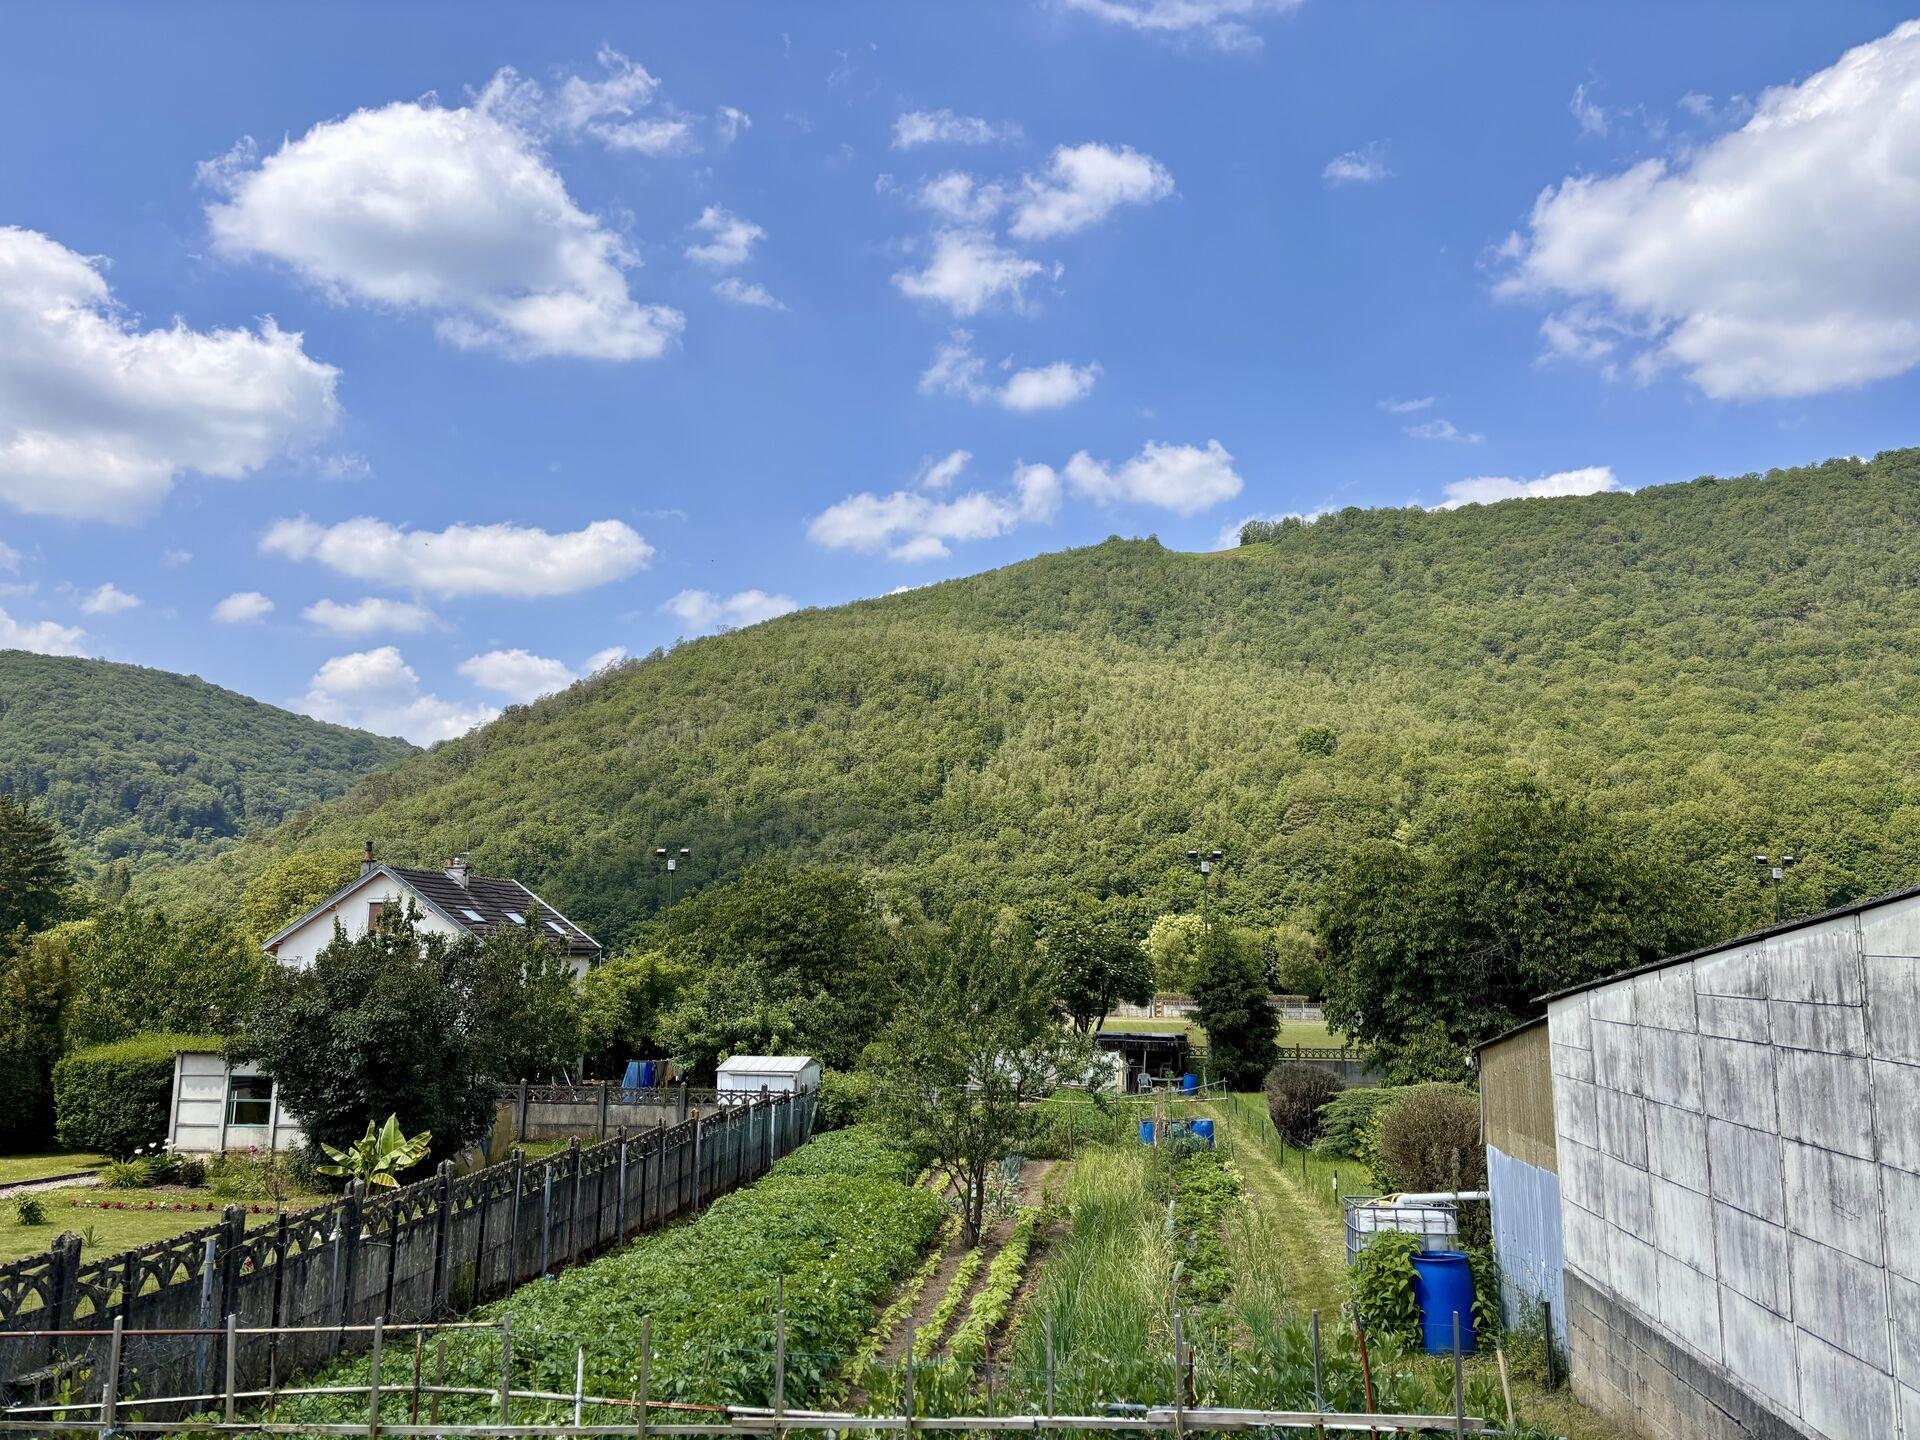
[[1366, 1372], [439, 1379], [1319, 1394], [419, 1352], [1459, 1382], [1506, 1390]]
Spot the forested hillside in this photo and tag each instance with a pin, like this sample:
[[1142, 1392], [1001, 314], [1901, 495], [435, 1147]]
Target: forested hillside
[[1726, 665], [141, 767]]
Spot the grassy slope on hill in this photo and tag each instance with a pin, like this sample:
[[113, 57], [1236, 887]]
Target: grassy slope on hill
[[1731, 664], [156, 767]]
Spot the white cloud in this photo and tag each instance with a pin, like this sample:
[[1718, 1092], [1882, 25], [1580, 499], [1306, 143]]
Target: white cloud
[[243, 607], [581, 104], [1443, 429], [171, 557], [603, 108], [1490, 489], [1221, 23], [454, 212], [1406, 407], [377, 690], [1592, 116], [956, 370], [108, 599], [703, 610], [958, 196], [1776, 260], [939, 474], [650, 137], [943, 127], [1183, 478], [1358, 167], [729, 124], [43, 637], [908, 526], [967, 271], [10, 558], [369, 616], [518, 674], [749, 293], [601, 659], [98, 417], [514, 560], [731, 239], [1084, 184]]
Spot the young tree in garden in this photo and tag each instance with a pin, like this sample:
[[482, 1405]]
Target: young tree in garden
[[1095, 964], [1232, 1004], [36, 882], [35, 990], [380, 1024], [973, 1040], [292, 885], [1432, 950]]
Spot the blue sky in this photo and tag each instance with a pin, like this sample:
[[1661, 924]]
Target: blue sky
[[397, 363]]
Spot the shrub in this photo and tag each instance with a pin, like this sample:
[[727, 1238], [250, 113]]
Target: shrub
[[1350, 1123], [28, 1210], [1381, 1286], [1430, 1140], [114, 1098], [863, 1150], [844, 1095], [1295, 1093]]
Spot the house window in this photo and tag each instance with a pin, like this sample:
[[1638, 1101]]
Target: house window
[[250, 1100], [375, 909]]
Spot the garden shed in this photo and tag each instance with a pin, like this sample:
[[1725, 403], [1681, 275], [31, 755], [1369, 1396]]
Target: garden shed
[[219, 1107], [745, 1077]]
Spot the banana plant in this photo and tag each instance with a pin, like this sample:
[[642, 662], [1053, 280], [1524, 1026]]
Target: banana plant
[[379, 1157]]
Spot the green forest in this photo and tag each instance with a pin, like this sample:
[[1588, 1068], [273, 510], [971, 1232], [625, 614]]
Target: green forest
[[1717, 667], [141, 768]]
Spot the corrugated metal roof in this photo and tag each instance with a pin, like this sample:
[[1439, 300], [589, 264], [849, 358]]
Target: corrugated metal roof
[[766, 1064]]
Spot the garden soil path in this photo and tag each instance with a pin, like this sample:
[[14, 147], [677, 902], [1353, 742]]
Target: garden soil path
[[51, 1182]]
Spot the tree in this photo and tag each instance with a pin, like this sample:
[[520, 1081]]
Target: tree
[[291, 886], [1095, 964], [1432, 949], [36, 881], [1171, 944], [35, 988], [624, 1000], [1231, 1003], [1295, 1093], [378, 1024], [790, 958], [1295, 963], [1429, 1139], [136, 970], [523, 1004], [973, 1040]]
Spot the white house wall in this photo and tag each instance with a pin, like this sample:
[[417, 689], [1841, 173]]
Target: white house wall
[[300, 946], [197, 1125], [1739, 1149]]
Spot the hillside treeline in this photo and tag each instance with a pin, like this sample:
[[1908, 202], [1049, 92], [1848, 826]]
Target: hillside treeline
[[1717, 667]]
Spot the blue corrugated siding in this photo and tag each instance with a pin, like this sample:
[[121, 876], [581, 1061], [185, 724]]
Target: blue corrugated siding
[[1526, 1238]]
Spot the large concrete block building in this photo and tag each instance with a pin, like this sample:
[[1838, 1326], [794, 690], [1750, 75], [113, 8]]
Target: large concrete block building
[[1737, 1146]]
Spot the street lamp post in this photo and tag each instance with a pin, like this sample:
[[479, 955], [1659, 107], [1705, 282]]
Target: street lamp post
[[1206, 864], [1777, 869], [670, 861]]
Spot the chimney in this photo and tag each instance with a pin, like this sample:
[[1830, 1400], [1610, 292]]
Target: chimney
[[459, 871], [366, 861]]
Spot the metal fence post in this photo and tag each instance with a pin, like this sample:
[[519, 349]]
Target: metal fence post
[[620, 1192], [605, 1088], [110, 1387], [573, 1203], [1459, 1382], [227, 1408], [579, 1382], [546, 1213], [906, 1389], [442, 1236], [699, 1178], [513, 1223], [1546, 1331], [779, 1357], [373, 1376], [646, 1365], [506, 1362], [1049, 1327], [520, 1113]]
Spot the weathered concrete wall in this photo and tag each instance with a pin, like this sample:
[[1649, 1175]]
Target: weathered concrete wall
[[1739, 1150]]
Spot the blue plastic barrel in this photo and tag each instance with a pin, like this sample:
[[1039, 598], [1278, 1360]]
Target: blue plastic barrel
[[1203, 1130], [1146, 1132], [1189, 1084], [1443, 1286]]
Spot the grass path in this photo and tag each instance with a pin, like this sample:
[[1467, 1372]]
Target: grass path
[[1313, 1242]]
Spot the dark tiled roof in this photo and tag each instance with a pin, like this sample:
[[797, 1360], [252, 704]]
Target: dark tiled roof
[[492, 899]]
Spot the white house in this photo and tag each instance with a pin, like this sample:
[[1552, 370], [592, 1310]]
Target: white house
[[453, 902], [219, 1107]]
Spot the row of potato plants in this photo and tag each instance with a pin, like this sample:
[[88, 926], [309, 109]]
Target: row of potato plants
[[840, 1220]]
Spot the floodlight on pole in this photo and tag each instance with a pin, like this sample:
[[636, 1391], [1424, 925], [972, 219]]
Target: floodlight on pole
[[1206, 864], [670, 861], [1776, 868]]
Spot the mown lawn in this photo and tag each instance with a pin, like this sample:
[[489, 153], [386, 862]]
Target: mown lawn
[[109, 1231], [1292, 1032], [44, 1164]]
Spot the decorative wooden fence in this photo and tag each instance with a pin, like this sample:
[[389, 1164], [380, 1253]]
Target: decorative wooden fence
[[418, 1253]]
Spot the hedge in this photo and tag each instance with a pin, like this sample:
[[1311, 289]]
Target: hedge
[[114, 1098]]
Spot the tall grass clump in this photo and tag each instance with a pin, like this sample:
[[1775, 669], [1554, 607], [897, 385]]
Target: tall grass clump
[[1106, 1289]]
